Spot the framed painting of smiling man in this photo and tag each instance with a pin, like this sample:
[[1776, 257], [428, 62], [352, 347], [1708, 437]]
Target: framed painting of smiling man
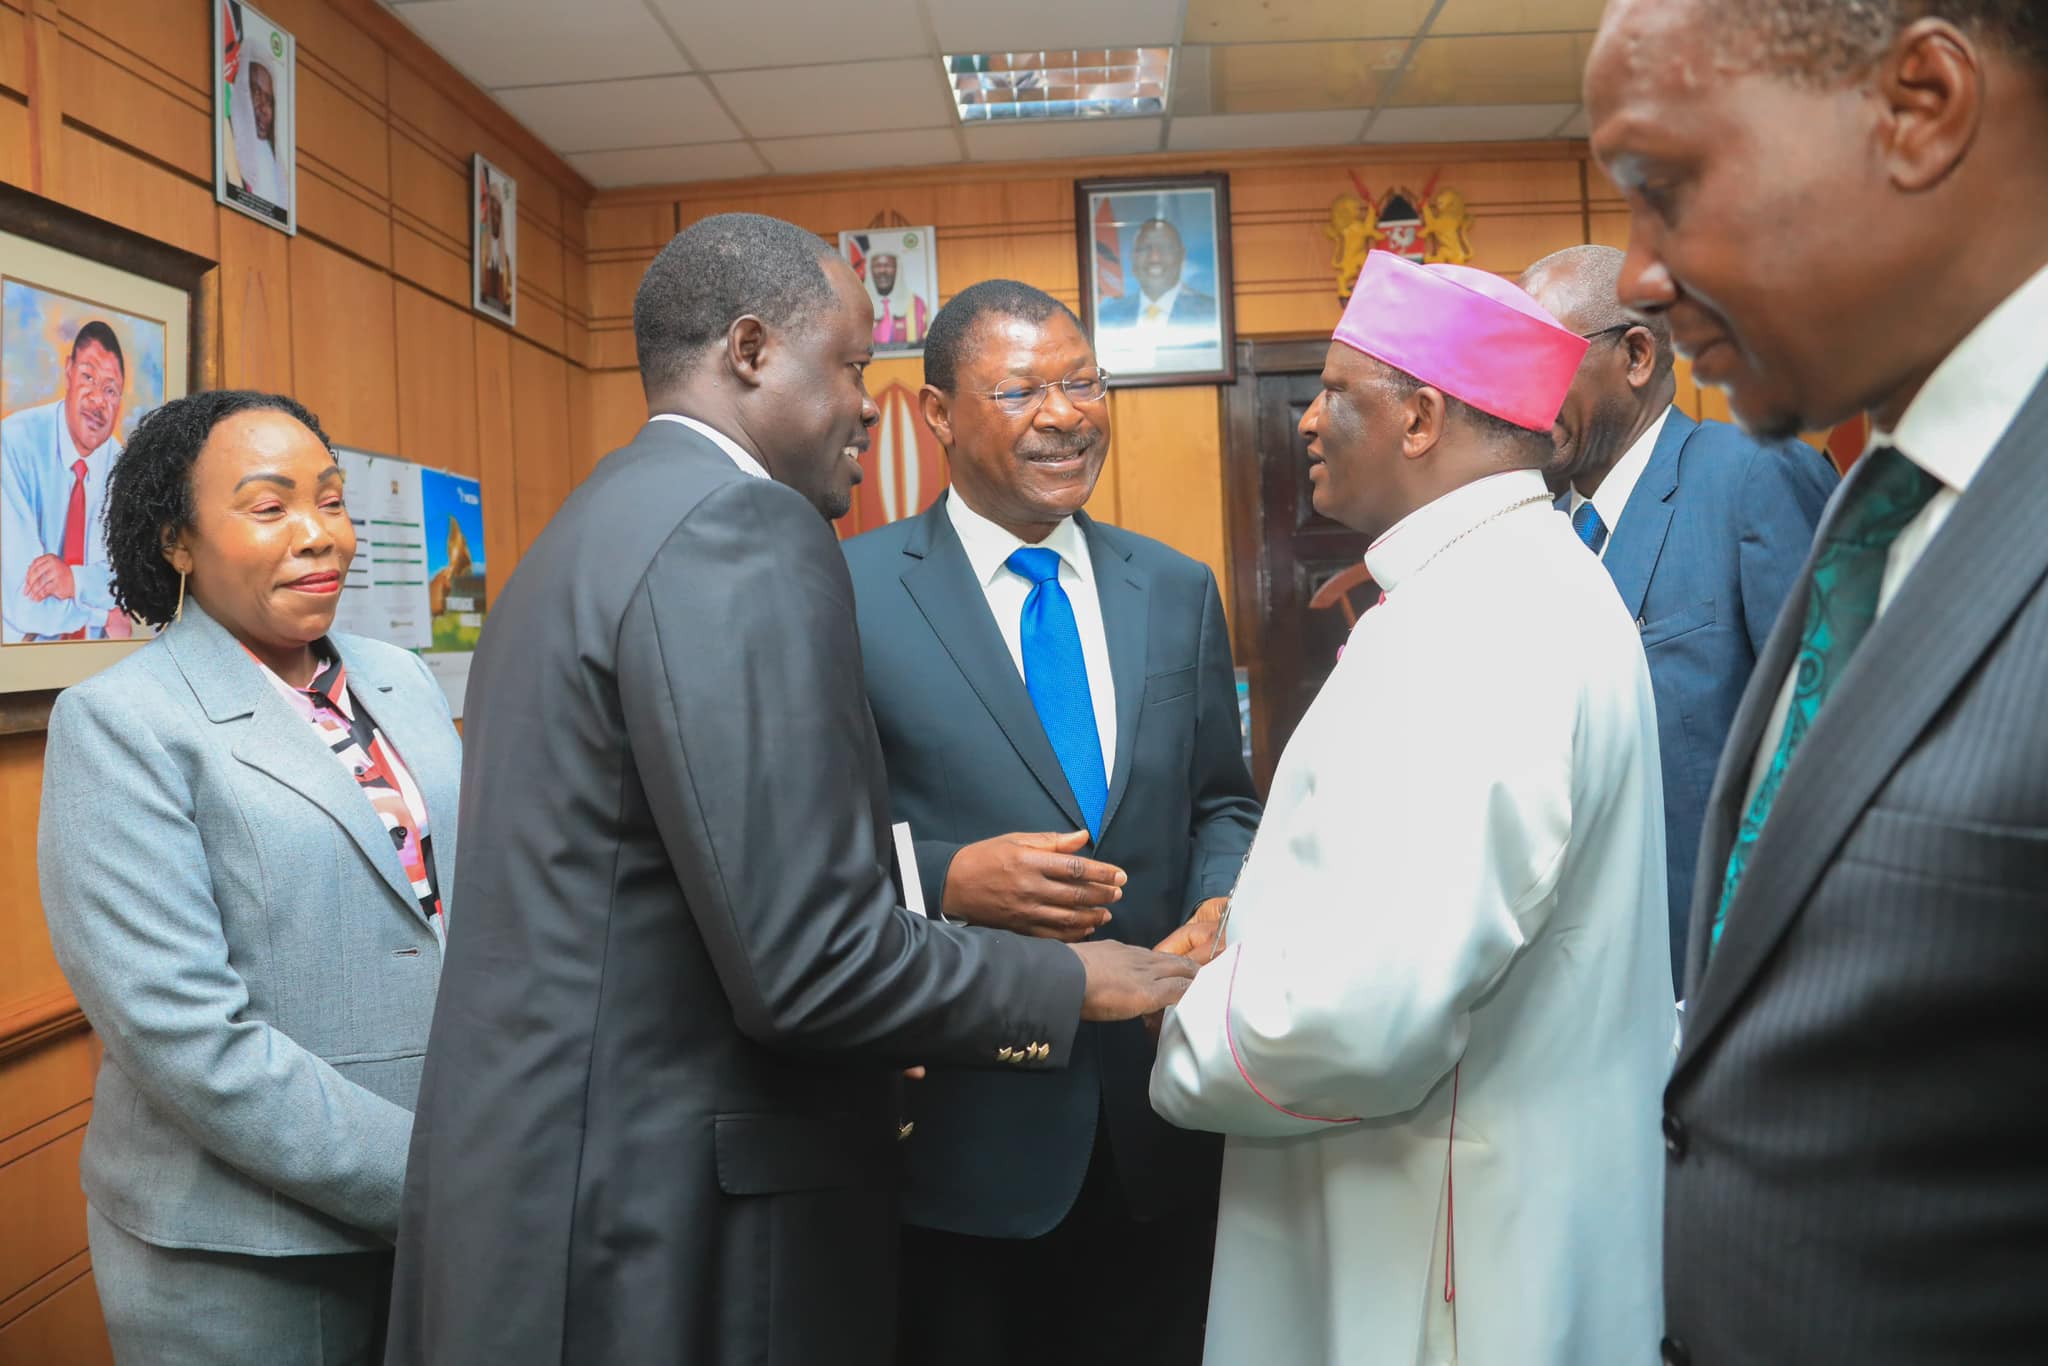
[[85, 351]]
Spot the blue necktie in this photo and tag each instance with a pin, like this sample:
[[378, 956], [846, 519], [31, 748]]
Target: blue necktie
[[1586, 521], [1056, 676]]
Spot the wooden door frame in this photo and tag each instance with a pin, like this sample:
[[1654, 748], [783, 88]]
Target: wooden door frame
[[1242, 520]]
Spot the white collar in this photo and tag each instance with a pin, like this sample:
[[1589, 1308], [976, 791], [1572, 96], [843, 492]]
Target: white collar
[[1610, 500], [988, 546], [732, 449], [1164, 303], [1974, 395], [1419, 537]]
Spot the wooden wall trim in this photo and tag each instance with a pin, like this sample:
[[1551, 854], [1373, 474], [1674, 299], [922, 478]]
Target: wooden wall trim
[[409, 48], [1156, 163], [35, 1020]]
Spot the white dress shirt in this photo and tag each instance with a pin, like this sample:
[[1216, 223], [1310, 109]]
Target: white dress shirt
[[987, 546], [1949, 430], [1158, 312], [1610, 500], [732, 449], [36, 456]]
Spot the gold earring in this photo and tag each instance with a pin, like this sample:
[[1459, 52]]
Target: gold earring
[[179, 615]]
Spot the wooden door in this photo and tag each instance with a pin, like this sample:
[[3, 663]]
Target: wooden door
[[1282, 551]]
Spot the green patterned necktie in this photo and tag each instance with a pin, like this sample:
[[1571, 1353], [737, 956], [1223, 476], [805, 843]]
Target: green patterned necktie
[[1841, 603]]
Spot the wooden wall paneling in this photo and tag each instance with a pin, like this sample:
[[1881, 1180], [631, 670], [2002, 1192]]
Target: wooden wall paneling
[[132, 101], [630, 227], [495, 456], [583, 456], [343, 129], [1169, 457], [14, 87], [39, 1190], [66, 1328], [429, 222], [110, 182], [256, 305], [343, 345], [436, 382], [543, 462], [174, 36], [42, 45], [618, 409], [27, 967], [39, 1082]]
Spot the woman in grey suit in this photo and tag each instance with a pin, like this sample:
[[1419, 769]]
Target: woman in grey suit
[[247, 828]]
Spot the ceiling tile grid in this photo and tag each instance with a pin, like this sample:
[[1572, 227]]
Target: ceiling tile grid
[[638, 92]]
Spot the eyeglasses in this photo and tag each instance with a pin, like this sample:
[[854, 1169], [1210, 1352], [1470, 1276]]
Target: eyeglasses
[[1613, 331], [1017, 397]]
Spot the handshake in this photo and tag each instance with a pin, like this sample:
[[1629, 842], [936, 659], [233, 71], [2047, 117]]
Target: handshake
[[1038, 884]]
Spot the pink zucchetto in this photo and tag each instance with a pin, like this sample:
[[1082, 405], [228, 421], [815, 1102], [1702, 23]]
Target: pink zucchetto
[[1466, 332]]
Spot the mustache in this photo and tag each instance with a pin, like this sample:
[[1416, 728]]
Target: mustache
[[1058, 445]]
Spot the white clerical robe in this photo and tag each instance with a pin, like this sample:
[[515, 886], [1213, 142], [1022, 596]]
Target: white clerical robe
[[1454, 908]]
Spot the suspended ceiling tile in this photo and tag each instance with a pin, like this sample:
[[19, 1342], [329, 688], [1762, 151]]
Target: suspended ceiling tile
[[1516, 16], [1528, 69], [1229, 132], [850, 97], [1011, 26], [663, 165], [1468, 123], [595, 115], [722, 36], [1032, 141], [856, 151], [1269, 21], [537, 42], [1271, 78]]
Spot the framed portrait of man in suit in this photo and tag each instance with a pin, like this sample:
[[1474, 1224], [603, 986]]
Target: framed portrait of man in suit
[[1155, 278]]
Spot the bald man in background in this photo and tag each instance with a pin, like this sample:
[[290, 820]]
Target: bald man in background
[[1702, 528]]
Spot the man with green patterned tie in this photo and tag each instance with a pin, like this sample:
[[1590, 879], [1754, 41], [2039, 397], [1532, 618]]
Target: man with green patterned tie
[[1853, 1150]]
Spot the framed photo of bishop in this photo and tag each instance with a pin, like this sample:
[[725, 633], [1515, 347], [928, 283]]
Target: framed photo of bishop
[[900, 267]]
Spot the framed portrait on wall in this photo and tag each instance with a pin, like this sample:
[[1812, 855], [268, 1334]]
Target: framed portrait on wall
[[900, 267], [255, 128], [94, 334], [494, 231], [1155, 278]]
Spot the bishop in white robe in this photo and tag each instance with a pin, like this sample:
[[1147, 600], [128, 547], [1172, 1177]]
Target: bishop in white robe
[[1438, 1030]]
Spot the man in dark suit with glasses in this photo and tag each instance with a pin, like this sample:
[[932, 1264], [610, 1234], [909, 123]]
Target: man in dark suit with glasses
[[1059, 718]]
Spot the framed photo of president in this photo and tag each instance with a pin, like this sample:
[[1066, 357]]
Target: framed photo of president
[[255, 125], [1155, 278], [494, 257]]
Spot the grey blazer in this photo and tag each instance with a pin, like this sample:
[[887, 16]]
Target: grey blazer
[[238, 928], [1855, 1124]]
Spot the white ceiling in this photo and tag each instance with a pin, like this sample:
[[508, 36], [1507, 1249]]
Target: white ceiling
[[635, 92]]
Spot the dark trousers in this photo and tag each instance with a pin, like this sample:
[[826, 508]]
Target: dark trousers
[[1101, 1289]]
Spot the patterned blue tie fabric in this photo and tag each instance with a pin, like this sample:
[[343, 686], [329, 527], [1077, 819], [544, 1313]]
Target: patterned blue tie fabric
[[1586, 521], [1056, 676], [1841, 604]]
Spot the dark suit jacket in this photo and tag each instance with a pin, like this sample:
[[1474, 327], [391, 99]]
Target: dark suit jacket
[[658, 1121], [1856, 1118], [1003, 1156], [1705, 553], [1189, 306]]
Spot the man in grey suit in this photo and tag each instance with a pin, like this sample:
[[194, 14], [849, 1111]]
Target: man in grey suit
[[1847, 215], [659, 1119], [1007, 768]]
